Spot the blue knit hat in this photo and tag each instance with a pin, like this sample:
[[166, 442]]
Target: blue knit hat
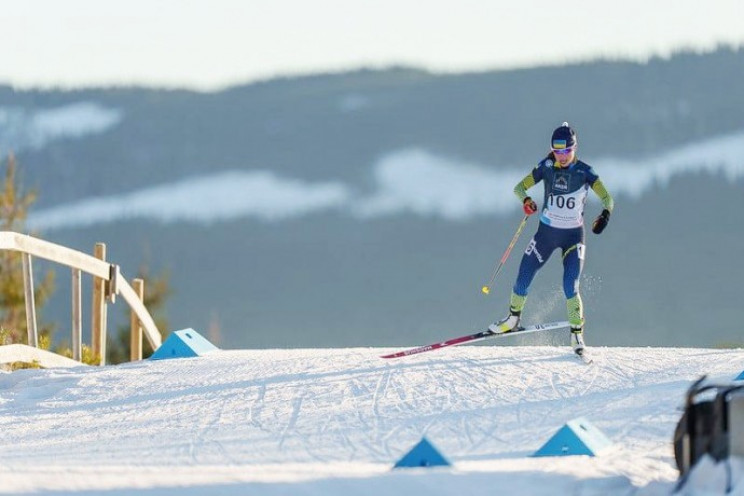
[[563, 137]]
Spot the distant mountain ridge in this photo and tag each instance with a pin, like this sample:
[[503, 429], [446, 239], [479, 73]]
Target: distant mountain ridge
[[331, 279], [335, 126]]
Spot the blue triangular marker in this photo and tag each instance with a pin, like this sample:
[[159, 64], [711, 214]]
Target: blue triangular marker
[[424, 454], [577, 437], [183, 344], [740, 377]]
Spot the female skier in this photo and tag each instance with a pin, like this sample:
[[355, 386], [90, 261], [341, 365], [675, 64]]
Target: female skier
[[567, 181]]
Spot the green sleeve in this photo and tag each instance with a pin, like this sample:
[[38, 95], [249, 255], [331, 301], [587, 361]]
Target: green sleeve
[[603, 195], [521, 188]]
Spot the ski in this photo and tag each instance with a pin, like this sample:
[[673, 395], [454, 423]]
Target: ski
[[478, 336], [584, 357]]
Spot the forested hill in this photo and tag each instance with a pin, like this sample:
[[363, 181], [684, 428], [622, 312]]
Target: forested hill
[[403, 182]]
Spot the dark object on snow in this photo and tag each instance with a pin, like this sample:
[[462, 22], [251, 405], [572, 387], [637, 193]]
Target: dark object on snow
[[705, 425]]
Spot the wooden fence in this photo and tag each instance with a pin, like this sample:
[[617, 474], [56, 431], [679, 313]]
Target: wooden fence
[[108, 283]]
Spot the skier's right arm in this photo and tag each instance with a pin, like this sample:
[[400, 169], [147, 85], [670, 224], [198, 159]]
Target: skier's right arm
[[528, 204], [521, 188]]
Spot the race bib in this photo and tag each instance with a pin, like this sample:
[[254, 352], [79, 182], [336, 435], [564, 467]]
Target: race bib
[[565, 211]]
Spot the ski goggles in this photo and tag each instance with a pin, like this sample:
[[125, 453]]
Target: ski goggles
[[563, 151]]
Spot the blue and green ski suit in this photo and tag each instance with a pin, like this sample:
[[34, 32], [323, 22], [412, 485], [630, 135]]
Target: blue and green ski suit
[[561, 226]]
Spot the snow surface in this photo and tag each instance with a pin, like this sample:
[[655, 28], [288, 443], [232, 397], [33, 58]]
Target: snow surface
[[334, 421]]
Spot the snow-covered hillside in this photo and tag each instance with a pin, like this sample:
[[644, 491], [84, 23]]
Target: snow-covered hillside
[[410, 180], [333, 422]]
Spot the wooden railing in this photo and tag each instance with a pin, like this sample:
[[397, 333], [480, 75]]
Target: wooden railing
[[107, 284]]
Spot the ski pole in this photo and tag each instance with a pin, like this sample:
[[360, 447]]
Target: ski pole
[[487, 288]]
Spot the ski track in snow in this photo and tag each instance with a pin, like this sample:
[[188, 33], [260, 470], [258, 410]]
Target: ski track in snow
[[334, 421]]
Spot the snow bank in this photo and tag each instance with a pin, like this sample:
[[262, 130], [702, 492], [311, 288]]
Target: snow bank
[[709, 477]]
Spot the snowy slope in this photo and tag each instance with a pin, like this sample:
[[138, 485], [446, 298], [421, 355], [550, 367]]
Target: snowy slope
[[333, 422]]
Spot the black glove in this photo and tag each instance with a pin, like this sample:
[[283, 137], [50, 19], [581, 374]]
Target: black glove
[[601, 222]]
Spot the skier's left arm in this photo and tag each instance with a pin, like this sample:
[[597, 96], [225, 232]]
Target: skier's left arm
[[607, 202]]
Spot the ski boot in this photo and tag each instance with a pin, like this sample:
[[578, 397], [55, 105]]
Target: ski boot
[[577, 340], [507, 324]]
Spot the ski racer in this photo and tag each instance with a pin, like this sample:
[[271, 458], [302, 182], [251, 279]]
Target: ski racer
[[567, 181]]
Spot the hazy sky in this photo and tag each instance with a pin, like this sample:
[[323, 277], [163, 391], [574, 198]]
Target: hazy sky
[[210, 44]]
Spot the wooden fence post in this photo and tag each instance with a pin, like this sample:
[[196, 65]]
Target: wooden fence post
[[98, 313], [77, 315], [28, 286], [135, 339]]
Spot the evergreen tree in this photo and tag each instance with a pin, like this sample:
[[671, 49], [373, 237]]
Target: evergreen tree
[[14, 206]]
